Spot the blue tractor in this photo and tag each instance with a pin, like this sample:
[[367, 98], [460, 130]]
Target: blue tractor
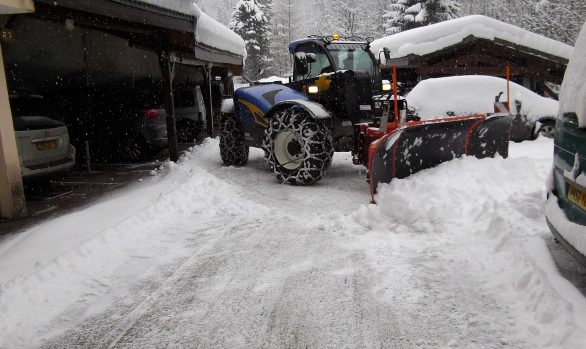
[[338, 101]]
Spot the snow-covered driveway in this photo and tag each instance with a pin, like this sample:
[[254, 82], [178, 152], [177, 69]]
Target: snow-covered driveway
[[205, 256]]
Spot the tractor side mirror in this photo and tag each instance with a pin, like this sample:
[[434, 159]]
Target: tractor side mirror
[[301, 65], [387, 53], [310, 57]]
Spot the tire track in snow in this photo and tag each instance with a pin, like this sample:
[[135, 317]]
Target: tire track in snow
[[257, 183], [112, 338]]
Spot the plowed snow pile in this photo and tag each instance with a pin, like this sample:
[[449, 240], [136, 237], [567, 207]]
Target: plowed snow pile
[[215, 257]]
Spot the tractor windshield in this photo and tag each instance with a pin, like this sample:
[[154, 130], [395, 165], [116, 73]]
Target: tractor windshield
[[352, 57]]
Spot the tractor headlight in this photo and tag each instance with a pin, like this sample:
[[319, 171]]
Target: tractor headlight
[[386, 85], [313, 89]]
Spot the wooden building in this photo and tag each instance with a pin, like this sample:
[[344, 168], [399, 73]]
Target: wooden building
[[476, 45]]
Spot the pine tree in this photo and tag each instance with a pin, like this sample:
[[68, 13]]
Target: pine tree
[[557, 19], [408, 14], [351, 17], [224, 10], [394, 16], [266, 7], [250, 22]]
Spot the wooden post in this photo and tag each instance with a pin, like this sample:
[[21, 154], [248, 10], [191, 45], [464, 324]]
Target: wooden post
[[12, 201], [508, 74], [165, 64], [210, 115]]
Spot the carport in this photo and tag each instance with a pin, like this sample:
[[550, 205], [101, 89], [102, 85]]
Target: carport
[[78, 43]]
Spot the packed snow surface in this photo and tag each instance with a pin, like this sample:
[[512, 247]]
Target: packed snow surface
[[475, 94], [573, 92], [431, 38], [203, 255], [208, 31]]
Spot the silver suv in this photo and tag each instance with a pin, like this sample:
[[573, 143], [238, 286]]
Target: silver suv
[[43, 143]]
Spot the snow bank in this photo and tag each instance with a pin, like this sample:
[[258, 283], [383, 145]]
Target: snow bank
[[573, 93], [208, 31], [487, 217], [431, 38], [474, 94], [78, 259]]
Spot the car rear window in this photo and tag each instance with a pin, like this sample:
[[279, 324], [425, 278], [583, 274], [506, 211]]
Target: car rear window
[[27, 106]]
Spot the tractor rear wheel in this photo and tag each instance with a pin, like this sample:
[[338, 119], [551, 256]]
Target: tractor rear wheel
[[297, 148], [233, 150], [547, 129]]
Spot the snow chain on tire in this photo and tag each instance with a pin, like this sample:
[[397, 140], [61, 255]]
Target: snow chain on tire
[[311, 142], [233, 150]]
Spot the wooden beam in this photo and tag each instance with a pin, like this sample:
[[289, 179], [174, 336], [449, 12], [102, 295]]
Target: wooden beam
[[12, 201], [166, 74], [438, 70], [209, 102]]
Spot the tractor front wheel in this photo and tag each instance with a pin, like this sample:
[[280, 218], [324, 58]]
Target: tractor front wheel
[[297, 148], [233, 150]]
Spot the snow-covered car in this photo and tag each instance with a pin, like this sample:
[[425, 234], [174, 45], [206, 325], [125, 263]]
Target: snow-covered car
[[566, 204], [42, 142], [460, 95]]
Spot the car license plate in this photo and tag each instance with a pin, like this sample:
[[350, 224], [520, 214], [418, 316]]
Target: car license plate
[[46, 145], [578, 197]]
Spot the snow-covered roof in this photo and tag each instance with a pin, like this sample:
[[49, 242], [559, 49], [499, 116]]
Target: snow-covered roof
[[213, 34], [573, 93], [432, 38], [208, 32]]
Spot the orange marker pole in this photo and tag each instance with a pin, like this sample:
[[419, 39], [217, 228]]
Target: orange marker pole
[[395, 95]]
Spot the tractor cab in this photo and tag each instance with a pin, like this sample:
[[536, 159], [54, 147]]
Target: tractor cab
[[341, 75], [314, 56]]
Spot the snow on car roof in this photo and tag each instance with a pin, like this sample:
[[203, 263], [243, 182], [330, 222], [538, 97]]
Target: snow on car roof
[[433, 98], [431, 38], [208, 32], [573, 92]]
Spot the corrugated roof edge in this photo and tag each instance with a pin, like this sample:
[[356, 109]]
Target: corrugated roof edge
[[174, 6]]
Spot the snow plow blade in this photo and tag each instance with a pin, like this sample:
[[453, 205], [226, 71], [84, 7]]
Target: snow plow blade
[[428, 144]]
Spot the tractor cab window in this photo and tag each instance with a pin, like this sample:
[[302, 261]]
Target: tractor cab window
[[321, 65], [352, 57]]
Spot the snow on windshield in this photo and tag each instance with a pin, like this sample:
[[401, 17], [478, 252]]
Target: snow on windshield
[[435, 37], [573, 93], [474, 94]]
